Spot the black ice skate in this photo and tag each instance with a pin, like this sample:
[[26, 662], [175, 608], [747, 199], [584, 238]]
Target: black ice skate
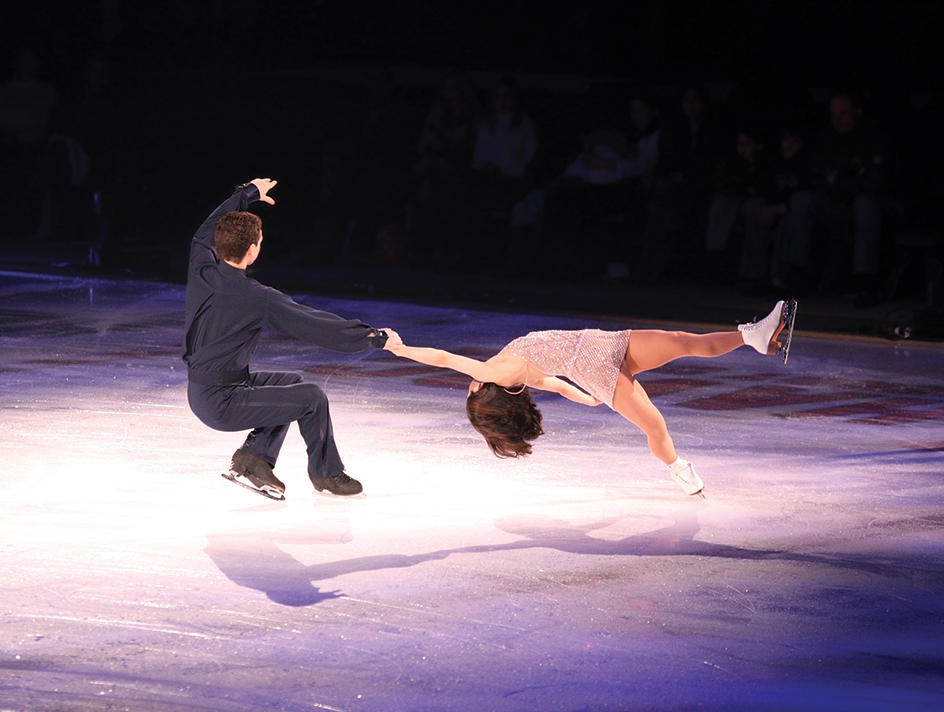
[[255, 474], [342, 484], [762, 335]]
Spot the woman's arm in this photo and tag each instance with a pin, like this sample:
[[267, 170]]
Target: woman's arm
[[556, 385], [480, 371]]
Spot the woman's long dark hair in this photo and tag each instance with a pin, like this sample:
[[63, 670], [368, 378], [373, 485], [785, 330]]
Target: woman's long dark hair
[[507, 420]]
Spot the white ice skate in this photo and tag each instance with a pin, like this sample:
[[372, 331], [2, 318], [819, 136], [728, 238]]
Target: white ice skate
[[687, 478], [762, 335]]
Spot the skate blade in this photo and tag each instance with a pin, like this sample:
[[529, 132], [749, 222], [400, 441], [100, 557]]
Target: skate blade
[[270, 494], [686, 488], [789, 317], [331, 495], [773, 346]]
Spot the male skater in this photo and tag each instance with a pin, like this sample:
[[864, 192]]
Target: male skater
[[225, 314]]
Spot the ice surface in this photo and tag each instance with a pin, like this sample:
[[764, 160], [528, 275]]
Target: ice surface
[[134, 577]]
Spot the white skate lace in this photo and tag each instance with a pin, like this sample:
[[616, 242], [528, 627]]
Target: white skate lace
[[688, 479]]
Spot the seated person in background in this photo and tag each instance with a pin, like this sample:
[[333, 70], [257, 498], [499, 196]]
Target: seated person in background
[[742, 185], [607, 158], [505, 142], [601, 162], [26, 103], [449, 131], [610, 177], [26, 107], [645, 116], [674, 232], [847, 179], [763, 227], [581, 208], [437, 199]]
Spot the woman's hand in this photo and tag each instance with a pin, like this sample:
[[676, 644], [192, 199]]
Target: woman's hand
[[394, 341]]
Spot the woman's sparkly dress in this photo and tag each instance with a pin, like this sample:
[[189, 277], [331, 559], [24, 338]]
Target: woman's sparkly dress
[[591, 358]]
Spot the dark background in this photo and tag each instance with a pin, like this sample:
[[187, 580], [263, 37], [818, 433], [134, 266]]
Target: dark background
[[881, 42], [204, 94]]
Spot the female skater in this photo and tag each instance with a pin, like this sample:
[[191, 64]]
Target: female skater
[[604, 364]]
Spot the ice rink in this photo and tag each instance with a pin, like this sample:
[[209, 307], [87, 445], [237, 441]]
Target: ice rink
[[133, 577]]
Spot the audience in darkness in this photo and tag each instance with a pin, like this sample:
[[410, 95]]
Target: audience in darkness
[[506, 139], [26, 107], [760, 264], [436, 205], [677, 191], [742, 185], [847, 182], [676, 220]]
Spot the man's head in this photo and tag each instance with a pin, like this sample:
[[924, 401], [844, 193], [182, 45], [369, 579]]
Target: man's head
[[643, 112], [791, 142], [844, 112], [694, 104], [748, 145], [235, 234], [506, 97]]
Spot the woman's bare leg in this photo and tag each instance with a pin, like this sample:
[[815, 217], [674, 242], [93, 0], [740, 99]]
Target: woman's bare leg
[[632, 402], [651, 348]]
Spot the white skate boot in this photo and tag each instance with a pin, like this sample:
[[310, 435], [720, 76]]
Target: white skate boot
[[762, 335], [683, 472]]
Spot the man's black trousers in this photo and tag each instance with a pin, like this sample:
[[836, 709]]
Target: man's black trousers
[[267, 404]]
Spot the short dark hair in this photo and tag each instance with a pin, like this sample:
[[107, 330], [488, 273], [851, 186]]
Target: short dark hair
[[850, 94], [235, 232], [646, 95], [507, 420]]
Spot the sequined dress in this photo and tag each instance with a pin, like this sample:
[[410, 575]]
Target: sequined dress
[[591, 358]]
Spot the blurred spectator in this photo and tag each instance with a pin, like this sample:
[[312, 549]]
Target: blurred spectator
[[26, 102], [437, 204], [585, 207], [448, 135], [847, 179], [506, 139], [26, 105], [689, 148], [599, 201], [92, 118], [688, 153], [363, 155], [763, 228], [505, 143], [742, 184], [645, 117]]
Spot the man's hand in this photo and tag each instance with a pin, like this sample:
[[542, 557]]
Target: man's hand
[[393, 340], [264, 185]]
